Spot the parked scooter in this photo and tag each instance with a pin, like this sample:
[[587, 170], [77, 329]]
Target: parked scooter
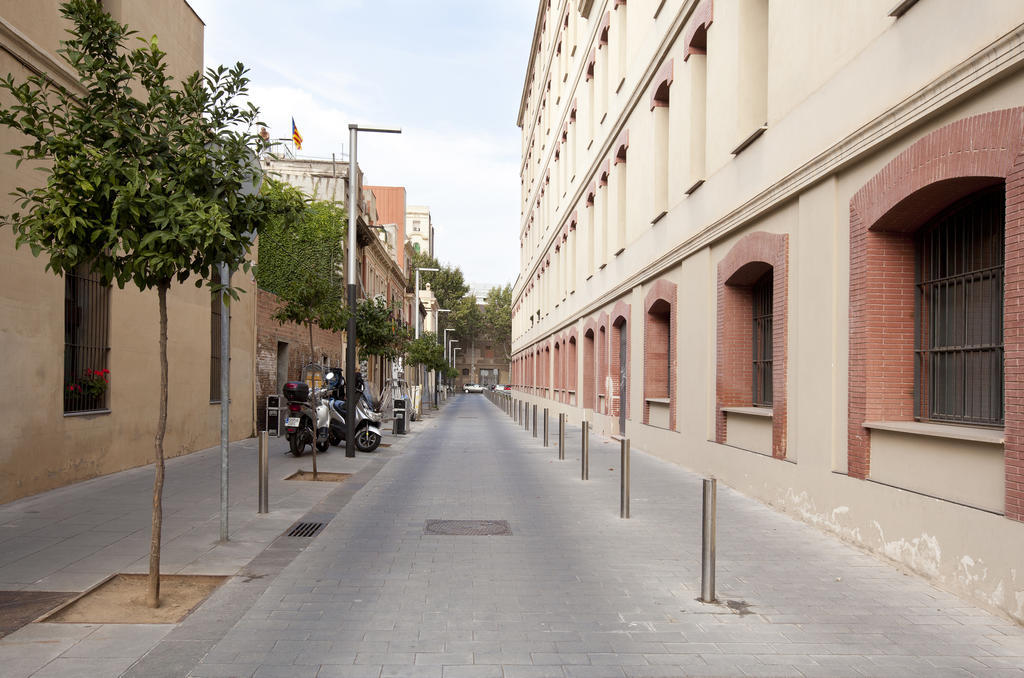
[[368, 418], [308, 421]]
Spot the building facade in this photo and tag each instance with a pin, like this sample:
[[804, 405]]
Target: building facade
[[283, 349], [53, 330], [776, 242], [420, 228]]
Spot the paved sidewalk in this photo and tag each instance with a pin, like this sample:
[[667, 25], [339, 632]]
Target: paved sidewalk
[[576, 591], [74, 537]]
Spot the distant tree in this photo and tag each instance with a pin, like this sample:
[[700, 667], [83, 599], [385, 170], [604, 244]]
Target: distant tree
[[143, 177], [427, 352], [378, 330], [497, 319], [448, 284]]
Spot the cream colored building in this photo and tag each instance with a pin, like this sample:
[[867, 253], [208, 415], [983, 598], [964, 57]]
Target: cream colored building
[[52, 329], [419, 228], [774, 241]]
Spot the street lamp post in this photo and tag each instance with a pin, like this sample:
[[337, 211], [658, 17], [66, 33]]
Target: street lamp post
[[437, 328], [454, 349], [350, 277], [419, 324]]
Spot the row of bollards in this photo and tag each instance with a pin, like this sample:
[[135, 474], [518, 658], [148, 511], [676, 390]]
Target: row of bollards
[[520, 411]]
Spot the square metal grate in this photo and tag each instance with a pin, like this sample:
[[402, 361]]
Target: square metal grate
[[468, 528], [305, 529]]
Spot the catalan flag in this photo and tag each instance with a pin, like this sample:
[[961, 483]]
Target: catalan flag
[[296, 137]]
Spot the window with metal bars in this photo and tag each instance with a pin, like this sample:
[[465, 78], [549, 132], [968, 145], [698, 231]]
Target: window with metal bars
[[761, 374], [86, 341], [215, 320], [958, 371]]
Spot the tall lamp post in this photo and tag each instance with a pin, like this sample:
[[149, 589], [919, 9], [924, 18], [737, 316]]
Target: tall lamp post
[[419, 324], [437, 328], [446, 331], [454, 349], [350, 276]]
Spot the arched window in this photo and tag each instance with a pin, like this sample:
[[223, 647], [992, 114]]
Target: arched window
[[571, 371], [959, 312], [751, 342], [660, 355], [660, 99], [589, 370]]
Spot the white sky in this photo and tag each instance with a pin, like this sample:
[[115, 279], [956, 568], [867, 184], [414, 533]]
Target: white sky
[[448, 72]]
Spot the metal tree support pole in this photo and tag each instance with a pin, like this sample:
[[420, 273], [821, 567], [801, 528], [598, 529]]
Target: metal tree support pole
[[624, 483], [585, 450], [707, 548], [264, 471], [534, 421], [545, 427], [225, 398], [561, 436]]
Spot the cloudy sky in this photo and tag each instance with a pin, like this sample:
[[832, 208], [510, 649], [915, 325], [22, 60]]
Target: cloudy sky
[[448, 72]]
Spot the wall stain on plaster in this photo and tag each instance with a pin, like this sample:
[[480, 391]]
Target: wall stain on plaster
[[921, 554]]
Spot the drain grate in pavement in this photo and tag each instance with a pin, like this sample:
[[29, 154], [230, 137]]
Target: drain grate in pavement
[[471, 528], [305, 529], [18, 608]]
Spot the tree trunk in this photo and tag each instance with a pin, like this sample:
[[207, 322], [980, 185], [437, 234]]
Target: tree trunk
[[153, 594], [312, 358]]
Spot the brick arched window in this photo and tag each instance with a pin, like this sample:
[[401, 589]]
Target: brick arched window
[[603, 387], [660, 357], [572, 367], [617, 351], [589, 367], [960, 169], [752, 314], [558, 370]]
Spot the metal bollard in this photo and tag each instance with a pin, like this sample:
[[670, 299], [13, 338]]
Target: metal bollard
[[534, 421], [545, 427], [585, 450], [561, 436], [707, 547], [624, 482], [263, 470]]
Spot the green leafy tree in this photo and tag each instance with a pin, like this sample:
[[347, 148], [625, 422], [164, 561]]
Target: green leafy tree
[[497, 319], [427, 352], [301, 257], [447, 284], [143, 177], [378, 330]]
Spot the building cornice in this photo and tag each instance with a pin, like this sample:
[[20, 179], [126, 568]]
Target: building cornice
[[987, 65], [36, 59]]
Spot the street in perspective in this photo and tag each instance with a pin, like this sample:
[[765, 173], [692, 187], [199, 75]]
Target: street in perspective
[[534, 339]]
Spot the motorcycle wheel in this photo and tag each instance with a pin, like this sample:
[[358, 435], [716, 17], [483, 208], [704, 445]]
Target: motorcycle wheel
[[367, 440], [298, 441], [322, 447]]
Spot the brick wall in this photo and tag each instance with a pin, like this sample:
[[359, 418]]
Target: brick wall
[[744, 264], [932, 173], [268, 333]]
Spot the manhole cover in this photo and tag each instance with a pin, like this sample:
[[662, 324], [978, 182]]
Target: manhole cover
[[305, 529], [18, 608], [473, 528]]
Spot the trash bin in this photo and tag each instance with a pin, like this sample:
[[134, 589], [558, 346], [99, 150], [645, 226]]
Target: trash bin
[[400, 413]]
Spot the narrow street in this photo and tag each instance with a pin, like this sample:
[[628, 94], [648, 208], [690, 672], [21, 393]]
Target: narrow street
[[577, 591]]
